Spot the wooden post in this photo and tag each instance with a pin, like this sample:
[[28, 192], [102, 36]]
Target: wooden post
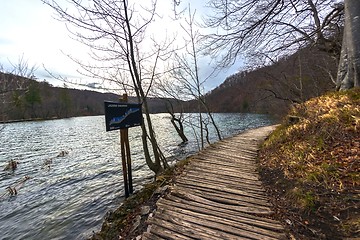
[[128, 159], [126, 156], [123, 160]]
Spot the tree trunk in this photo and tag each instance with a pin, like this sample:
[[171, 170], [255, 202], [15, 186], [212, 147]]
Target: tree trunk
[[155, 165], [179, 129], [349, 64], [211, 118]]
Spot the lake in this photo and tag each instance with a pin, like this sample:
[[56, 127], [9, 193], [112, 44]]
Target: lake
[[74, 171]]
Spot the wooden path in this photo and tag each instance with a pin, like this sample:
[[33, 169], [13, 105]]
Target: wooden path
[[219, 196]]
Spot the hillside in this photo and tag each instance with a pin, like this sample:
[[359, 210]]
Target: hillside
[[311, 167], [272, 89], [22, 98]]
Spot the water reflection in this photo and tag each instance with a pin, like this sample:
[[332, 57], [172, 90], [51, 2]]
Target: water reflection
[[75, 171]]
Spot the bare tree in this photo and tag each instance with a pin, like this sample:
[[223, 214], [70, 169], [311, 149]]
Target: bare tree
[[172, 93], [177, 120], [186, 73], [22, 68], [349, 65], [10, 80], [12, 84], [273, 28], [116, 32]]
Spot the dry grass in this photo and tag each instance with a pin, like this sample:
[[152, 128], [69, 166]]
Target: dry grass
[[323, 146], [317, 156]]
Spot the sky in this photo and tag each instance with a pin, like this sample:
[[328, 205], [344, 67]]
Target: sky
[[29, 30]]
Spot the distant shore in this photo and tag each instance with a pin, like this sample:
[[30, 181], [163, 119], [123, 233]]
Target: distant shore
[[43, 119]]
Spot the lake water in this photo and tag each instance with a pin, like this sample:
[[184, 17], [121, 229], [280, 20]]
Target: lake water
[[66, 197]]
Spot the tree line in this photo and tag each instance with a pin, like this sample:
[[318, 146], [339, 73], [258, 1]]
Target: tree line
[[23, 98], [273, 89]]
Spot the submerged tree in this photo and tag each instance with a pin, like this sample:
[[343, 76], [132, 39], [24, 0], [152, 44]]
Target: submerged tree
[[349, 65], [116, 32], [168, 90], [177, 121]]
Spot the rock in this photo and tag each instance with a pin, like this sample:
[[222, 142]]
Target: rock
[[288, 221], [145, 210]]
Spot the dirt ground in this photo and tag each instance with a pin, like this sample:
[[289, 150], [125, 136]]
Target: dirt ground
[[335, 215]]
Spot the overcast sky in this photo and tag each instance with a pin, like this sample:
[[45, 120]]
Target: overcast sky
[[28, 28]]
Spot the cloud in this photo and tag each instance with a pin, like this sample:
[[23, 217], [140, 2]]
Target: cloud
[[5, 41], [28, 28]]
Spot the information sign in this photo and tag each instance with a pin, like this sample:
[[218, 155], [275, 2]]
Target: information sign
[[122, 115]]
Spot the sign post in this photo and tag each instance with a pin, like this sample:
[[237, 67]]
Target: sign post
[[125, 153], [123, 115]]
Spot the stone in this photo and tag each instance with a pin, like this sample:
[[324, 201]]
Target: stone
[[145, 210]]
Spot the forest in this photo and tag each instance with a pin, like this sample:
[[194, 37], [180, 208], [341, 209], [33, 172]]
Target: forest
[[23, 98], [270, 90], [273, 89]]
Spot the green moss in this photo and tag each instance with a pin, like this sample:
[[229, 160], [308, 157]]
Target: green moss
[[277, 136], [305, 199], [314, 177]]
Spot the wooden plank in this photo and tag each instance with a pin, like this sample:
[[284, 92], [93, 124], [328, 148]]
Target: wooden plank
[[244, 143], [223, 199], [212, 202], [266, 222], [202, 183], [226, 167], [230, 215], [224, 172], [229, 157], [235, 148], [237, 167], [203, 232], [238, 179], [251, 188], [148, 236], [235, 156], [218, 223], [166, 233], [230, 198], [178, 226], [226, 162], [232, 152], [233, 171], [221, 189]]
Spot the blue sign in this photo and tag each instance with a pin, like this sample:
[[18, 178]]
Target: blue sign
[[122, 115]]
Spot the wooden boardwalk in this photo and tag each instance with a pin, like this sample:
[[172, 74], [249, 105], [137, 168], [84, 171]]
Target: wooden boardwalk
[[219, 196]]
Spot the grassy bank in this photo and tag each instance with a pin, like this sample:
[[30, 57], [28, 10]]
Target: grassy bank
[[310, 166]]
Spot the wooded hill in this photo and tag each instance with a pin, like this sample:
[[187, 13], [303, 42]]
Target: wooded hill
[[23, 98], [272, 89]]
